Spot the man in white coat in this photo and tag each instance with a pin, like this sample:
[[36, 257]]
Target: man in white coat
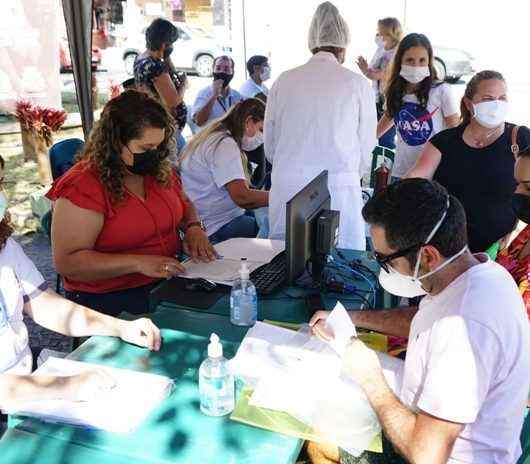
[[321, 116]]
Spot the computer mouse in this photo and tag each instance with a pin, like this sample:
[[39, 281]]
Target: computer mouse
[[200, 285]]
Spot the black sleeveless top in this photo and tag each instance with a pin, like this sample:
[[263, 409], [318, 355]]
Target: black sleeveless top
[[483, 180]]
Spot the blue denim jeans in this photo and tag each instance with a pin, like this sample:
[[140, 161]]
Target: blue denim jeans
[[242, 226]]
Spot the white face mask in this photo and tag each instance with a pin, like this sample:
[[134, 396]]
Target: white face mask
[[266, 73], [251, 143], [414, 74], [491, 114], [379, 41], [410, 286]]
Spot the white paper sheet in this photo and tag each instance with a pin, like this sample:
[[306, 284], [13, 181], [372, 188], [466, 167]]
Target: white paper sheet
[[338, 409], [301, 375], [120, 410], [254, 249], [226, 269], [221, 270], [340, 326], [267, 349]]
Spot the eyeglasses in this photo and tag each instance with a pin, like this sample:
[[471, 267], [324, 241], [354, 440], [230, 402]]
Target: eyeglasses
[[384, 260]]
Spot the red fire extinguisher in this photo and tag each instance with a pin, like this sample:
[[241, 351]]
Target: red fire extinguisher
[[382, 176]]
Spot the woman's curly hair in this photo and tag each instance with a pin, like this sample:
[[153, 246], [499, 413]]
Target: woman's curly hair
[[6, 229], [123, 119]]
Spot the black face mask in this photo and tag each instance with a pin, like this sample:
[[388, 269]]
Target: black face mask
[[167, 52], [145, 163], [226, 78]]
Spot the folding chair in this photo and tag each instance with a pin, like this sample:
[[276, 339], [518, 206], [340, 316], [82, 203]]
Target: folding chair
[[62, 156]]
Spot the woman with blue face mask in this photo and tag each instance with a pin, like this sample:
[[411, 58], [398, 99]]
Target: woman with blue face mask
[[475, 161], [416, 103]]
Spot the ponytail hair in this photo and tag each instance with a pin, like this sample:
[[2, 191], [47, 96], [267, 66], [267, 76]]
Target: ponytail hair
[[232, 122], [472, 89]]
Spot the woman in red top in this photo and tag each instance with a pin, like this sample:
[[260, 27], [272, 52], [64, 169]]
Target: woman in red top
[[516, 258], [118, 211]]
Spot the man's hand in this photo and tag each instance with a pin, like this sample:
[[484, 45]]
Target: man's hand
[[197, 245], [317, 326], [141, 332], [218, 87], [361, 364]]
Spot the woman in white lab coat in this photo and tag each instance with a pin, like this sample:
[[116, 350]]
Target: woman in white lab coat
[[320, 116]]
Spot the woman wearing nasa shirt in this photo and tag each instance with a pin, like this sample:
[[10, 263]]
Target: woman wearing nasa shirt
[[416, 103]]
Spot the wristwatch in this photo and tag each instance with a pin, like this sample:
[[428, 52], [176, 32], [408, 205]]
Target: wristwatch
[[196, 224]]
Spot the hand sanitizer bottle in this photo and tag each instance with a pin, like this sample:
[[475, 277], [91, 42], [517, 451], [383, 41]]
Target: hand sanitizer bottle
[[216, 383], [243, 298]]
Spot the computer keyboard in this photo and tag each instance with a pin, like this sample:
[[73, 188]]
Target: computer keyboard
[[269, 277]]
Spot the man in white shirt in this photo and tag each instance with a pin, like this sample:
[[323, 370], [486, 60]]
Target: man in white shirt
[[214, 101], [466, 375], [259, 70], [321, 116]]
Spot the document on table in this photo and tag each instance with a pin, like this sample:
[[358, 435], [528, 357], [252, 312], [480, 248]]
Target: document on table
[[266, 349], [120, 410], [226, 269], [301, 375]]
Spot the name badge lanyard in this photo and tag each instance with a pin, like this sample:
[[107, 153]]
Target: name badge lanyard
[[223, 105]]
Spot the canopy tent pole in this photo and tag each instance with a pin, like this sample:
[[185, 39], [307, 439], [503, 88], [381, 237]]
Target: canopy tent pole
[[78, 19]]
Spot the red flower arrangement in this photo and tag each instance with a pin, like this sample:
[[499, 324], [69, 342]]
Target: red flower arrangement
[[41, 120]]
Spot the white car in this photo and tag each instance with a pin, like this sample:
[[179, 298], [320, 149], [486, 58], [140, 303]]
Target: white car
[[195, 50]]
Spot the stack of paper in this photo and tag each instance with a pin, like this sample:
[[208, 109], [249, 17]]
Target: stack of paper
[[226, 269], [301, 375], [120, 410]]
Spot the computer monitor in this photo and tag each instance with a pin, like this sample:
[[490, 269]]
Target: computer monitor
[[302, 211]]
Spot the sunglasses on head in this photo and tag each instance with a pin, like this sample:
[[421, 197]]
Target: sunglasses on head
[[384, 260]]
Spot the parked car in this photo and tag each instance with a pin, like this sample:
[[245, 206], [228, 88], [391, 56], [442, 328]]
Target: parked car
[[452, 63], [66, 60], [195, 50]]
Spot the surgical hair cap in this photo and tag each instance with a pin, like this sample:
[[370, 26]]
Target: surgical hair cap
[[328, 28]]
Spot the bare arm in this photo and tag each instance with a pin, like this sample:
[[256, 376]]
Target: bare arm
[[27, 387], [427, 163], [384, 125], [453, 120], [201, 116], [74, 234], [167, 91], [394, 322], [375, 74], [56, 313], [245, 197], [196, 243], [420, 438], [191, 214]]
